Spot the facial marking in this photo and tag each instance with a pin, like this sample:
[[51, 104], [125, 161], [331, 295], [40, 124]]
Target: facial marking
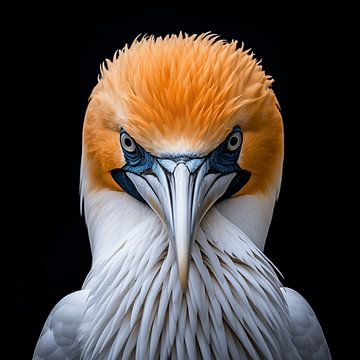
[[222, 160], [183, 95]]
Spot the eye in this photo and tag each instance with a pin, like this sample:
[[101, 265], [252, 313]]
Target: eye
[[234, 141], [127, 143]]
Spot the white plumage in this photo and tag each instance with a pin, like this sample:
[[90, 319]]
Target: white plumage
[[234, 308], [176, 273]]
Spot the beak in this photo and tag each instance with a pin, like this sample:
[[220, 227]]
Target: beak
[[181, 193]]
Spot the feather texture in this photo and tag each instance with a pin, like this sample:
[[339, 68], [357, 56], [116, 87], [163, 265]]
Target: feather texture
[[233, 306], [305, 329], [171, 94], [182, 94], [58, 339], [132, 305]]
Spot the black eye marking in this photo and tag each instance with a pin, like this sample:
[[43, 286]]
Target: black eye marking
[[137, 161], [239, 181], [224, 159]]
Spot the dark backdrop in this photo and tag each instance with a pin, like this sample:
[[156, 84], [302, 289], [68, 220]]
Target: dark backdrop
[[58, 54]]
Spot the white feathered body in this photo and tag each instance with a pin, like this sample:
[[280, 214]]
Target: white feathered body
[[132, 305]]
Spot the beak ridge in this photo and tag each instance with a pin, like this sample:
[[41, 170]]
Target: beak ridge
[[181, 197], [183, 226]]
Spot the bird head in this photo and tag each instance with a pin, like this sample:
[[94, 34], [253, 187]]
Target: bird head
[[181, 123]]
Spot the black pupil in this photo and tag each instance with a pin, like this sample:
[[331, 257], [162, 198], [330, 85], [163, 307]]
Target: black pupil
[[127, 142], [233, 141]]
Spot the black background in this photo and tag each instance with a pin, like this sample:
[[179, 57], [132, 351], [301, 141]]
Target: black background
[[56, 61]]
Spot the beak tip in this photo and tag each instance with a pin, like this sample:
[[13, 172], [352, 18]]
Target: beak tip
[[183, 259], [183, 277]]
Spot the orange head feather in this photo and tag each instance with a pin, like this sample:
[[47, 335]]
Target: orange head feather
[[183, 94]]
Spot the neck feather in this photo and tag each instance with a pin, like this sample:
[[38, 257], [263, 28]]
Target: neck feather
[[233, 306]]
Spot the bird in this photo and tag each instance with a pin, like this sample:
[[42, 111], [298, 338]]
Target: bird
[[181, 168]]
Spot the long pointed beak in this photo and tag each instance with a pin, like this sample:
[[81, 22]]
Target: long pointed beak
[[181, 193], [183, 223]]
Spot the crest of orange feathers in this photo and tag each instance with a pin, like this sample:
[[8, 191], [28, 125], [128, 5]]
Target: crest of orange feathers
[[185, 93]]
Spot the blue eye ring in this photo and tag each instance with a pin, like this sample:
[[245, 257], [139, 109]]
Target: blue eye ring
[[136, 158]]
